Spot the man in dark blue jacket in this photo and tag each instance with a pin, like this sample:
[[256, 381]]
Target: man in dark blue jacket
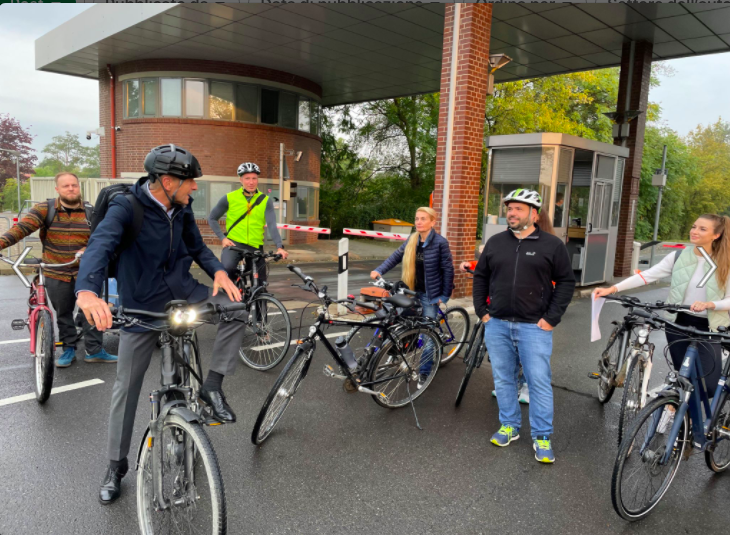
[[153, 271]]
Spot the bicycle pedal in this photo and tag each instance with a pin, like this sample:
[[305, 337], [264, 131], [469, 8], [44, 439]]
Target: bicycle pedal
[[372, 392], [330, 372], [209, 419], [594, 375], [18, 325]]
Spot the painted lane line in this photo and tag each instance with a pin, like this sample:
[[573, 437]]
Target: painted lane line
[[279, 313], [57, 390], [15, 341], [281, 344]]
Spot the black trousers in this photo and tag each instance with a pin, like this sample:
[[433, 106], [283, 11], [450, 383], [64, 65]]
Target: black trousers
[[710, 354], [230, 260], [63, 299]]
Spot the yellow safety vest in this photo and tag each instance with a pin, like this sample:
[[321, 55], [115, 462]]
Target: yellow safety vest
[[251, 230]]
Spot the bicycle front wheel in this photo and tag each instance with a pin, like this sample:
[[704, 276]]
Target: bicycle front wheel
[[268, 334], [631, 400], [717, 456], [192, 485], [640, 479], [471, 359], [609, 357], [399, 376], [454, 330], [281, 395], [43, 359]]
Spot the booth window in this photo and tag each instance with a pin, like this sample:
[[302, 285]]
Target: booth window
[[131, 103], [565, 165], [316, 118], [306, 203], [149, 98], [304, 115], [221, 101], [194, 98], [269, 106], [618, 183], [288, 105], [200, 196], [171, 91]]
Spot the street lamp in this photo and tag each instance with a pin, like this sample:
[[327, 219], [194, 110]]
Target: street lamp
[[17, 170]]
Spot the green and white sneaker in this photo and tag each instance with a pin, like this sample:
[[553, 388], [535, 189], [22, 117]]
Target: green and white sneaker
[[543, 449], [504, 436], [523, 395]]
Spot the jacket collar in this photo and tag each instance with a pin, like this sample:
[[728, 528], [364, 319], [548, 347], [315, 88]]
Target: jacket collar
[[138, 190], [534, 236], [429, 238]]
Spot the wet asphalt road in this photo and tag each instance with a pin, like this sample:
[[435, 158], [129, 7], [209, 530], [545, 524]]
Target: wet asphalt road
[[339, 463]]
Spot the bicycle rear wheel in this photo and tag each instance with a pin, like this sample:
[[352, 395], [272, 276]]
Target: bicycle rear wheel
[[404, 375], [610, 356], [631, 400], [43, 359], [454, 330], [266, 341], [717, 456], [471, 359], [191, 483], [281, 395], [639, 479]]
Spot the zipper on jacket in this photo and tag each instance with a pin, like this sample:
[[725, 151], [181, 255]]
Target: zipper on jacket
[[514, 279]]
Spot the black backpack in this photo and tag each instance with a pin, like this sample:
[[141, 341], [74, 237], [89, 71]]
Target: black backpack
[[101, 207]]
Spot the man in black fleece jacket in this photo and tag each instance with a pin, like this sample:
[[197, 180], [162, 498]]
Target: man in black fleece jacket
[[516, 272]]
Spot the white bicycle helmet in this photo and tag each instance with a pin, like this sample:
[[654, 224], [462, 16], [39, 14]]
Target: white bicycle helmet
[[526, 196], [248, 167]]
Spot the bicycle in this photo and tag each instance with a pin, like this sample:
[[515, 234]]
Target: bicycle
[[655, 446], [268, 336], [410, 356], [452, 325], [627, 364], [39, 322], [179, 481]]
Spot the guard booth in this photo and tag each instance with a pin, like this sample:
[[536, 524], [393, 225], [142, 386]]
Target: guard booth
[[580, 183]]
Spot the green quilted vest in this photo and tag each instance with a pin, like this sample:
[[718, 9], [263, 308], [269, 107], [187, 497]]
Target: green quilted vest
[[684, 268], [251, 230]]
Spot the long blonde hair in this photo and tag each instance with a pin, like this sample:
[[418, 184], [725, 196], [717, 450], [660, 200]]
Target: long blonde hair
[[720, 246], [409, 255]]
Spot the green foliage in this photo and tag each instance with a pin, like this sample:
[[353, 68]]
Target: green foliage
[[9, 194], [66, 153]]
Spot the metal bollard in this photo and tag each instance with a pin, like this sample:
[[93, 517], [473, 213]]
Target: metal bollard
[[344, 260]]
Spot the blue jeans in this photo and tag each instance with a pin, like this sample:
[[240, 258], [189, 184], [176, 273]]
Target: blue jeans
[[429, 311], [509, 343]]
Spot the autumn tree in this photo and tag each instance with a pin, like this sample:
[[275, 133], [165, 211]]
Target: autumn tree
[[14, 137]]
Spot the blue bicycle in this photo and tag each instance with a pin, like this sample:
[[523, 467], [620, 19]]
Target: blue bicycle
[[669, 427]]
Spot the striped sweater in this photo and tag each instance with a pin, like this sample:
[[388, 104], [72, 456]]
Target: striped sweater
[[68, 234]]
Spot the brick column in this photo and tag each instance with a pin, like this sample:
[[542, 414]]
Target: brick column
[[638, 94], [105, 121], [475, 23]]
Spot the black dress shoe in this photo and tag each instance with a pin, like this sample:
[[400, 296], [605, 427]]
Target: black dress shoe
[[111, 488], [217, 403]]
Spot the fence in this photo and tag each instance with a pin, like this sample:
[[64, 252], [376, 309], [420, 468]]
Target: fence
[[42, 188]]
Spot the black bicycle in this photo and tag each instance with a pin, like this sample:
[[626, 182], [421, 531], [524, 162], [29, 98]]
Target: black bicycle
[[179, 482], [474, 356], [394, 375], [268, 333]]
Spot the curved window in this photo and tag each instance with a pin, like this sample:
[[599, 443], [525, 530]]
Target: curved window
[[219, 100]]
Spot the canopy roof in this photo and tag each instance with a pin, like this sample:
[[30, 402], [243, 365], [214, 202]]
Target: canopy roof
[[359, 52]]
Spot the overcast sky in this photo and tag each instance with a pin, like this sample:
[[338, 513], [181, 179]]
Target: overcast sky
[[50, 104]]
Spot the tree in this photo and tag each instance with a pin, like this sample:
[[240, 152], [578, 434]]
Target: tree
[[9, 194], [66, 153], [14, 137]]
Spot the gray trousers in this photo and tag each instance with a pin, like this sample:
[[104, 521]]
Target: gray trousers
[[63, 300], [135, 353], [230, 260]]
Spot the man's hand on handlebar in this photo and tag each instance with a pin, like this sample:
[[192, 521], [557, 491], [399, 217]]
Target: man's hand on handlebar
[[95, 309], [227, 243], [700, 306], [223, 282], [375, 275], [283, 253]]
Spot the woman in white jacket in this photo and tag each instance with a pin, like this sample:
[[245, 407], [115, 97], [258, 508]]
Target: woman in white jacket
[[710, 304]]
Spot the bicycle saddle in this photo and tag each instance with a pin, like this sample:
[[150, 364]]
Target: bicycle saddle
[[401, 301]]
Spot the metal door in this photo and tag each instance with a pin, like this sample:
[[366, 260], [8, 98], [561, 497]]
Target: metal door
[[599, 220]]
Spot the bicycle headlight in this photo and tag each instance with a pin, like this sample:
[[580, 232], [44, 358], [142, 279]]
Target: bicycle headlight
[[192, 316], [181, 316], [177, 317]]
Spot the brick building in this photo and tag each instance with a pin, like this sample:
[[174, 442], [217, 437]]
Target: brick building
[[191, 71]]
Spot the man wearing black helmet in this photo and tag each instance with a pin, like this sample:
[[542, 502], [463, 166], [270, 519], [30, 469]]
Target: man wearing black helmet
[[248, 210], [152, 271]]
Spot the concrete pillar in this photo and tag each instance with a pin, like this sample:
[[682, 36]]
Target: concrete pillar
[[467, 29], [633, 94]]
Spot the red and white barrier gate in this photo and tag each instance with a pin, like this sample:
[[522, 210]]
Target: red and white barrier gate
[[374, 234], [304, 228]]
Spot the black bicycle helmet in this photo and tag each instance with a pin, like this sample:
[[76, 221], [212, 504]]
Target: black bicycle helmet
[[172, 160]]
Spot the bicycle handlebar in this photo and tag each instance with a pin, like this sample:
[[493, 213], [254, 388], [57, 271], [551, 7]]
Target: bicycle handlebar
[[633, 302], [298, 273], [654, 318], [124, 315], [41, 264], [380, 282], [256, 254]]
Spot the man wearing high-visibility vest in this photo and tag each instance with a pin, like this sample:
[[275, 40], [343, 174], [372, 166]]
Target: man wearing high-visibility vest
[[248, 210]]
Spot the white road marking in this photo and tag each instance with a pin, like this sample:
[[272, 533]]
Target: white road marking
[[279, 313], [15, 341], [281, 344], [57, 390]]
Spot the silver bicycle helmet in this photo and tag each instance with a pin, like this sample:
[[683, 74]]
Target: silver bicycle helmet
[[248, 167], [525, 196]]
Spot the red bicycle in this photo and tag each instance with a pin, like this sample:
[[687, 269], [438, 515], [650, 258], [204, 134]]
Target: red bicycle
[[39, 321]]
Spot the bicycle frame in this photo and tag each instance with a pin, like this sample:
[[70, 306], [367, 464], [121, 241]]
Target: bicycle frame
[[36, 303]]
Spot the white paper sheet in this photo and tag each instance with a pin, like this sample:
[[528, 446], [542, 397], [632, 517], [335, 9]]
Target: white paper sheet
[[596, 306]]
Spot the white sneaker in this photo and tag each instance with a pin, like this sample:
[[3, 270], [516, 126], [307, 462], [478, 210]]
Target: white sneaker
[[523, 395], [666, 421]]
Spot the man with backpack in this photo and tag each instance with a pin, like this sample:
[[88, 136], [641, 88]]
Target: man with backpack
[[248, 210], [64, 223], [149, 235]]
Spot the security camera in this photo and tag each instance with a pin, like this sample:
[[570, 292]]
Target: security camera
[[298, 156], [117, 128], [88, 136]]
